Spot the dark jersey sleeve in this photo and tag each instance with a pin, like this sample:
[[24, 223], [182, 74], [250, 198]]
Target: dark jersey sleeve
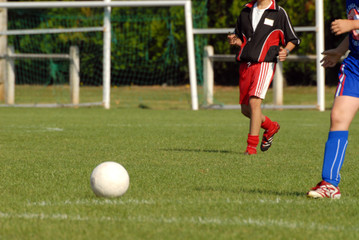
[[238, 30], [289, 33]]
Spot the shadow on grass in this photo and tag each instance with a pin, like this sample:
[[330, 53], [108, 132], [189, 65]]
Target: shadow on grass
[[272, 192], [197, 150], [240, 190]]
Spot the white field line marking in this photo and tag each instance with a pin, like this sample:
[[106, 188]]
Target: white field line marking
[[93, 202], [29, 128], [45, 129], [235, 221], [54, 129], [150, 201], [277, 201], [174, 125]]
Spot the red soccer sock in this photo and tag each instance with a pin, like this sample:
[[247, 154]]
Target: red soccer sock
[[267, 124], [252, 143]]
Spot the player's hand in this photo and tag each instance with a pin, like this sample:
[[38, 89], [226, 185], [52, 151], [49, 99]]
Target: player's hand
[[234, 40], [341, 26], [282, 55], [331, 57]]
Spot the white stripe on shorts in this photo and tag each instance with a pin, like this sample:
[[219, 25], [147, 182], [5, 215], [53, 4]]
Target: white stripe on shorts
[[265, 78]]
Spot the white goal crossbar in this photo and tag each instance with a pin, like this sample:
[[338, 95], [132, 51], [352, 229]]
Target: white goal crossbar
[[107, 4]]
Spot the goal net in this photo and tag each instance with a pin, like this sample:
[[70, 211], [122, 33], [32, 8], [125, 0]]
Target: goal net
[[149, 67]]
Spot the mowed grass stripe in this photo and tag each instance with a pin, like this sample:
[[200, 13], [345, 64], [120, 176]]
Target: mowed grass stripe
[[236, 221]]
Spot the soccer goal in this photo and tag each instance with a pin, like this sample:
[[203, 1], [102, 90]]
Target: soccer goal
[[41, 61]]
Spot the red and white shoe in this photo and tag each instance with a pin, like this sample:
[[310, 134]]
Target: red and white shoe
[[324, 190], [268, 137]]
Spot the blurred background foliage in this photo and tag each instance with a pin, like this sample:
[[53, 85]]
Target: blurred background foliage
[[171, 35]]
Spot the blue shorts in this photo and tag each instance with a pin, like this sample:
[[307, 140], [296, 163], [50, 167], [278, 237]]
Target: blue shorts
[[348, 84]]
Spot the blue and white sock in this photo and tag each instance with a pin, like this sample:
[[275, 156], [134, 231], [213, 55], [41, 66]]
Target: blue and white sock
[[334, 154]]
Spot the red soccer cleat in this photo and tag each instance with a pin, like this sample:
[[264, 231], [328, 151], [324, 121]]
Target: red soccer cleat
[[268, 137], [324, 190]]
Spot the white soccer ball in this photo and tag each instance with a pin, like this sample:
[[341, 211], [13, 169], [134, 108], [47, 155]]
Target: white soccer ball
[[109, 179]]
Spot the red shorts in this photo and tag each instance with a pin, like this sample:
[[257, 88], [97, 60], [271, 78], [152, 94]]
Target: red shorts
[[254, 80]]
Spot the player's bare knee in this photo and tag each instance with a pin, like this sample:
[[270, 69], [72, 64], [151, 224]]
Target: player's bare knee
[[246, 111], [338, 121], [336, 115]]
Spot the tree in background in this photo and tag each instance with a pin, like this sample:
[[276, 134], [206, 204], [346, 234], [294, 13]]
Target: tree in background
[[206, 13]]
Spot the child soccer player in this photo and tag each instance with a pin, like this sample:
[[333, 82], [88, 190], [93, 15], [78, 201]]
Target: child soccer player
[[261, 29], [346, 102]]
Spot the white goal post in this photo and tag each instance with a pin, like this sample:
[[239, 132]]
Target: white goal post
[[107, 4]]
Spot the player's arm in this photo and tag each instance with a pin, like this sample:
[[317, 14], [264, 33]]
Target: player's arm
[[341, 26], [233, 38], [332, 56], [290, 36], [284, 52]]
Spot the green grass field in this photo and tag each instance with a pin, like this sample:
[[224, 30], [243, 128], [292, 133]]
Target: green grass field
[[188, 177]]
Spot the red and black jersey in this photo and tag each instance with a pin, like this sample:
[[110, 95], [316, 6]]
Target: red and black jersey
[[263, 44]]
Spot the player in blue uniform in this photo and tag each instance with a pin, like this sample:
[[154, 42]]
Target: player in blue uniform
[[346, 102]]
